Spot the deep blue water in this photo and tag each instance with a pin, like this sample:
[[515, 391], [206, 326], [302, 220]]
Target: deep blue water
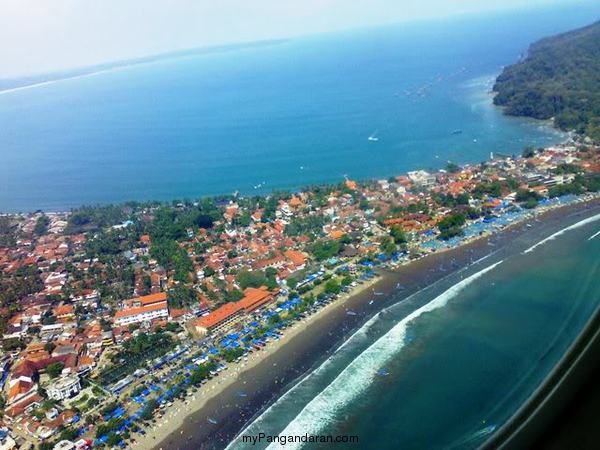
[[286, 115]]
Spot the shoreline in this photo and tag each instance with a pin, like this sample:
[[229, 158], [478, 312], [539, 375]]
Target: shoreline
[[248, 194], [271, 373], [176, 414]]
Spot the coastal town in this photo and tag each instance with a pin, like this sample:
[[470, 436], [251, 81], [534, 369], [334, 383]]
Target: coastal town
[[111, 314]]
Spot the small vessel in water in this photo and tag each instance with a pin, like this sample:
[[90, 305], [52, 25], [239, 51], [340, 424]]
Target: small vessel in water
[[350, 312], [377, 293], [211, 420], [373, 138], [456, 132], [383, 372]]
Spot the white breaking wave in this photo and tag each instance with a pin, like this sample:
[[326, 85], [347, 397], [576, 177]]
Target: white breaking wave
[[360, 373], [60, 80], [361, 331], [564, 230], [594, 235], [485, 257]]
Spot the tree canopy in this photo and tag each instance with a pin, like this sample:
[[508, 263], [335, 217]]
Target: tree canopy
[[560, 78]]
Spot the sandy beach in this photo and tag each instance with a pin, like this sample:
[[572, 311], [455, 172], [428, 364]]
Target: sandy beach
[[242, 391], [176, 415]]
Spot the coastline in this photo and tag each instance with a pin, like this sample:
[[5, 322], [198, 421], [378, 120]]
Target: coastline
[[176, 415], [267, 375]]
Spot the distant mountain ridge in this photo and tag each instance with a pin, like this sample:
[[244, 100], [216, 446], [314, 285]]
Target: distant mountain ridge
[[560, 79]]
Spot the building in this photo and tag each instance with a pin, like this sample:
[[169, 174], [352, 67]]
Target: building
[[421, 178], [64, 387], [48, 332], [255, 298], [143, 309], [230, 314], [221, 319], [64, 312], [81, 444], [20, 389]]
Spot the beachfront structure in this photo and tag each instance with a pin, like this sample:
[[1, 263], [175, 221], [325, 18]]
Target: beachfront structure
[[230, 314], [143, 309], [255, 298], [421, 178], [221, 319], [64, 387]]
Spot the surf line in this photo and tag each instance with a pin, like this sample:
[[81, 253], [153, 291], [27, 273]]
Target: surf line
[[359, 374], [564, 230], [594, 235]]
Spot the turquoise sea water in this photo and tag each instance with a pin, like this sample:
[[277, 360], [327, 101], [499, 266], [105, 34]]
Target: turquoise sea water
[[271, 117], [451, 364]]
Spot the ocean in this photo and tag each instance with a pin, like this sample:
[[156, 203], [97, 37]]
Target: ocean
[[448, 366], [281, 116]]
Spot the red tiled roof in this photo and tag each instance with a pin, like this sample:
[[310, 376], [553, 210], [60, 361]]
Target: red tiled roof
[[218, 315], [255, 298], [295, 257], [63, 310], [29, 368], [152, 298]]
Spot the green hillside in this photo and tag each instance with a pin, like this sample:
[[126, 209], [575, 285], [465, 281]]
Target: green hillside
[[560, 78]]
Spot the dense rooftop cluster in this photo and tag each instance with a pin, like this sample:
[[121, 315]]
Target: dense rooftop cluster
[[97, 303]]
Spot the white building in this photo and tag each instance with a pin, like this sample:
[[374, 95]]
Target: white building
[[64, 387], [143, 309], [421, 178]]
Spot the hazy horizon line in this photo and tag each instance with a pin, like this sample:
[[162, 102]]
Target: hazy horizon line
[[42, 77]]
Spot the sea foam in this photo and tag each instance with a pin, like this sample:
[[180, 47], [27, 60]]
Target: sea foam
[[358, 335], [564, 230], [360, 373], [594, 235]]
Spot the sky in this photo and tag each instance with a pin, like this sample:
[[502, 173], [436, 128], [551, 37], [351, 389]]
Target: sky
[[40, 36]]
